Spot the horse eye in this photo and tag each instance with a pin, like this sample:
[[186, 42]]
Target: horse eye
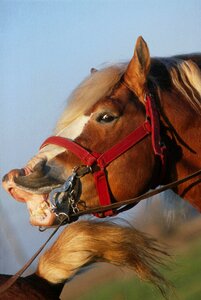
[[105, 118]]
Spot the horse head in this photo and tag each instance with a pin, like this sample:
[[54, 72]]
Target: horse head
[[114, 109], [105, 109]]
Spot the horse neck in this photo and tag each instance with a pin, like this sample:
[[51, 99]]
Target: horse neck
[[45, 288], [183, 142]]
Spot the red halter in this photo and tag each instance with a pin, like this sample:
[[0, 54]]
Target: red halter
[[150, 126]]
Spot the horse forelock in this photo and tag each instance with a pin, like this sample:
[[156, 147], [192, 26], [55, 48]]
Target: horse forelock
[[96, 86]]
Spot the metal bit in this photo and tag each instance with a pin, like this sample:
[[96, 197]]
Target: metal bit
[[57, 195]]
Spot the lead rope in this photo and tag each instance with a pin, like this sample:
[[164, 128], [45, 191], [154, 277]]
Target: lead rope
[[4, 287], [99, 209], [168, 186]]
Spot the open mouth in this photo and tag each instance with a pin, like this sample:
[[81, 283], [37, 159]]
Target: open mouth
[[38, 205], [48, 196], [34, 190]]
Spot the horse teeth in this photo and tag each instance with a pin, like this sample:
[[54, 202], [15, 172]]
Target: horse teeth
[[40, 211], [44, 205]]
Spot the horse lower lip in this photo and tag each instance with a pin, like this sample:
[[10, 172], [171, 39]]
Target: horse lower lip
[[15, 195]]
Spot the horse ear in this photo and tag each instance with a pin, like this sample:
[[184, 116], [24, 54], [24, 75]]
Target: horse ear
[[138, 68], [93, 70]]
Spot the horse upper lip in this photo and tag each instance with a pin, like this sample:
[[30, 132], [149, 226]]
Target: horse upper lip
[[40, 180], [42, 185], [39, 190]]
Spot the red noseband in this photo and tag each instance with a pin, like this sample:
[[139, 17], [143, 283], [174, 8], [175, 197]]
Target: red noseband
[[150, 126]]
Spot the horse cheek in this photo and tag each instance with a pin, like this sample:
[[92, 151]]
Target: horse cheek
[[129, 175]]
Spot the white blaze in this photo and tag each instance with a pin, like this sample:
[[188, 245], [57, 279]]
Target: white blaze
[[50, 151], [72, 131], [75, 128]]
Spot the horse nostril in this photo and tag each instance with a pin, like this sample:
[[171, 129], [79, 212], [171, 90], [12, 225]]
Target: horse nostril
[[12, 174]]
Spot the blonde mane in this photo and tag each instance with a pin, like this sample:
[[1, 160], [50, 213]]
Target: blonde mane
[[186, 77], [184, 74]]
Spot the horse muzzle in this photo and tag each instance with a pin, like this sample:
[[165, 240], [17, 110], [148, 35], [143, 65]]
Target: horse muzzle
[[33, 188]]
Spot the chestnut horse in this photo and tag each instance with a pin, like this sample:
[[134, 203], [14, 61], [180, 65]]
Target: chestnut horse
[[127, 128]]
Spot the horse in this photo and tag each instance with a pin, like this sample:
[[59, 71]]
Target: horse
[[127, 128], [31, 287]]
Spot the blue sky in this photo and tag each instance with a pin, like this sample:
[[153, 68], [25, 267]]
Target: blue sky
[[47, 48]]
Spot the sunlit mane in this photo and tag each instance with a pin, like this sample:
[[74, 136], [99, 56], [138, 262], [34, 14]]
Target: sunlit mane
[[96, 86], [186, 77], [184, 74]]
